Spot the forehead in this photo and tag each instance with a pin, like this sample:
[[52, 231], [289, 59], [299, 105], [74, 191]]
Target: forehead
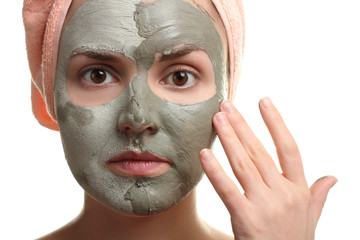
[[140, 30], [206, 5]]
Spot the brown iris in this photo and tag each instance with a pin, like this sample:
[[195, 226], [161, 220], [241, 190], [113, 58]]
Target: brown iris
[[180, 78], [98, 76]]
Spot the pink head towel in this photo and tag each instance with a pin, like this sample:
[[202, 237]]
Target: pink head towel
[[232, 15], [43, 21]]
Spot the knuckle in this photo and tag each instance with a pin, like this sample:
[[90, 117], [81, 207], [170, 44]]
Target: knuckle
[[242, 165], [290, 201], [228, 192], [246, 165], [257, 152], [289, 150]]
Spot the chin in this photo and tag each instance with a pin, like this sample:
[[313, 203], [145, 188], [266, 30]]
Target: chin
[[140, 196]]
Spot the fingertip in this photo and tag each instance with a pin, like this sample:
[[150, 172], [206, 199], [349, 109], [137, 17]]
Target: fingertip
[[227, 106], [331, 180], [324, 184], [266, 103], [335, 179], [205, 155], [209, 163], [220, 119]]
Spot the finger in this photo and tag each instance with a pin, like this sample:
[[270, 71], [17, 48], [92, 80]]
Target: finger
[[287, 150], [223, 185], [242, 166], [260, 157], [319, 191]]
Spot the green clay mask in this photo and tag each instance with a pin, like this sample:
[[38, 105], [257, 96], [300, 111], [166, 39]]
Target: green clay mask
[[91, 135]]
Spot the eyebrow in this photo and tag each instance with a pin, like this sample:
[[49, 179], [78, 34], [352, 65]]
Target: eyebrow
[[106, 56], [176, 53], [102, 55]]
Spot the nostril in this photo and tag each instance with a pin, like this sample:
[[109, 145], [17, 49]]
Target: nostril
[[150, 129], [126, 128], [131, 129]]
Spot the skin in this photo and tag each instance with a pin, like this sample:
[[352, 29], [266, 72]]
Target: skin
[[275, 205], [142, 53], [261, 213]]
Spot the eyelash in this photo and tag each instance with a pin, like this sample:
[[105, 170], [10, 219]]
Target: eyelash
[[174, 69], [107, 69], [116, 78]]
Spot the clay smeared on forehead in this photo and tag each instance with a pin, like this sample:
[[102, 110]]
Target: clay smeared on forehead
[[139, 31], [205, 5], [176, 21]]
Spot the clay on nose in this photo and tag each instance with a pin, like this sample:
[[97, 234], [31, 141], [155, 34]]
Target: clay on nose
[[132, 120], [131, 129]]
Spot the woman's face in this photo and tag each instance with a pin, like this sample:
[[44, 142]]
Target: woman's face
[[136, 88]]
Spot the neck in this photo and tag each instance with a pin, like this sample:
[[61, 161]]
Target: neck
[[101, 222]]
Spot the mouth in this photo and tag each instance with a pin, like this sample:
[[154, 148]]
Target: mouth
[[138, 164]]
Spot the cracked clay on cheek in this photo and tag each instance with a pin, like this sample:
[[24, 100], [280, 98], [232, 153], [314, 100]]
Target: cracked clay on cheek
[[91, 135]]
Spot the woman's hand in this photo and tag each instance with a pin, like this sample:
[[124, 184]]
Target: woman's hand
[[275, 205]]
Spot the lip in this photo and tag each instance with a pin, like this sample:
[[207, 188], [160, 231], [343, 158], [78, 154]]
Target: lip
[[138, 164]]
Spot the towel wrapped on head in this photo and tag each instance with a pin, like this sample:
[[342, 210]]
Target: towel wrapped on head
[[43, 21]]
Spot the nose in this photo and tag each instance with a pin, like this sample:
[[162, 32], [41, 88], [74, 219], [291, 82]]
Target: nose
[[133, 121], [131, 129]]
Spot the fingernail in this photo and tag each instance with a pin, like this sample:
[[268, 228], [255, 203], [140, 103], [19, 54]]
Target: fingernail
[[205, 155], [334, 179], [228, 107], [266, 103], [221, 118], [321, 178]]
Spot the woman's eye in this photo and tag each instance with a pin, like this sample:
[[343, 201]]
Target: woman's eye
[[180, 79], [98, 76]]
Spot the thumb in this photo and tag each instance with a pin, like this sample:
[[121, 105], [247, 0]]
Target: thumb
[[319, 191]]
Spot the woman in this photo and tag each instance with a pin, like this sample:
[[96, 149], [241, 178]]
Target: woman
[[134, 88]]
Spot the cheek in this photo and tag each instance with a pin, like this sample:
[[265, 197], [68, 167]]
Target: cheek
[[80, 116], [189, 129], [87, 132]]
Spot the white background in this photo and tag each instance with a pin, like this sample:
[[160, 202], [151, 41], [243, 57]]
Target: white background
[[304, 54]]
